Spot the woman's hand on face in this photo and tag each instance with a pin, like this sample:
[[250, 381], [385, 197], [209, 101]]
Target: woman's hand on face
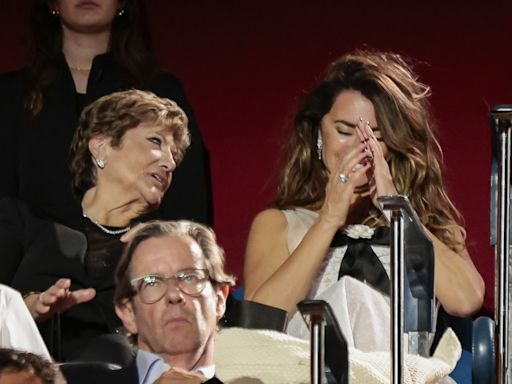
[[343, 179], [381, 184], [56, 299]]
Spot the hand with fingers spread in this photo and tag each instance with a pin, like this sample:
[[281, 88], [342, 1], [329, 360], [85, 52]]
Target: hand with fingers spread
[[381, 183], [56, 299]]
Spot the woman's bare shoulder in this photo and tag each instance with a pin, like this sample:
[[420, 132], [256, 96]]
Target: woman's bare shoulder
[[270, 216]]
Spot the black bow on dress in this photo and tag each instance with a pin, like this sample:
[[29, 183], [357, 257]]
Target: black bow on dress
[[360, 262]]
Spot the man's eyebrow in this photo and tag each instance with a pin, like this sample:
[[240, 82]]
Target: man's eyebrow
[[351, 125]]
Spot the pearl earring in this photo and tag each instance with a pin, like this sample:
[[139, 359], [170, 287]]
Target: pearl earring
[[121, 12], [100, 163]]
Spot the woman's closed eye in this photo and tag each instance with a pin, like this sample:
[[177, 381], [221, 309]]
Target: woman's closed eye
[[345, 132]]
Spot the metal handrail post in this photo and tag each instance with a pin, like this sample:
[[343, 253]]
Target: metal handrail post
[[317, 332], [397, 296], [412, 306], [501, 117]]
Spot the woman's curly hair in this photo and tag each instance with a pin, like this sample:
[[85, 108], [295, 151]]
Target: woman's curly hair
[[112, 116]]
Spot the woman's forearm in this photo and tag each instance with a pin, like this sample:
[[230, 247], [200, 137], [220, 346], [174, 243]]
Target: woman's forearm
[[459, 286], [287, 278]]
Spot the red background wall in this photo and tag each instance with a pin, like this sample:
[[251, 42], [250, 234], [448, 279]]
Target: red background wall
[[245, 63]]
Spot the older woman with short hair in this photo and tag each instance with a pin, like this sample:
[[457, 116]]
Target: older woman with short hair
[[122, 159]]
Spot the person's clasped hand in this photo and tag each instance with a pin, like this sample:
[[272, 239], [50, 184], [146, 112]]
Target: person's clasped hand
[[381, 184], [56, 299], [178, 375], [342, 182]]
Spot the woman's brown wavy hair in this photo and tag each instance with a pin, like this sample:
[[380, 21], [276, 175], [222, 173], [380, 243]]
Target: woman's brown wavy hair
[[402, 112]]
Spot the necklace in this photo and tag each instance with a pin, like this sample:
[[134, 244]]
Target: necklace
[[105, 229]]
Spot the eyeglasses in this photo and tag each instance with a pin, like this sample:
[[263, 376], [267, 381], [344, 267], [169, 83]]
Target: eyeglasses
[[152, 288]]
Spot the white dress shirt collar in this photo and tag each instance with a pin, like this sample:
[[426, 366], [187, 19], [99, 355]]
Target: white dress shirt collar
[[151, 366]]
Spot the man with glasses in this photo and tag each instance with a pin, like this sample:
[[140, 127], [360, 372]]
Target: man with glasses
[[171, 291]]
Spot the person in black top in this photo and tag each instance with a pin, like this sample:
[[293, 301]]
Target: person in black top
[[80, 52], [123, 158]]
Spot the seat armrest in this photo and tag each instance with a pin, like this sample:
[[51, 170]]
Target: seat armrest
[[252, 315], [483, 350]]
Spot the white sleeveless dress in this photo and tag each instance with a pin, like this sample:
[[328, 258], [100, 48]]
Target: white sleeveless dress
[[361, 311]]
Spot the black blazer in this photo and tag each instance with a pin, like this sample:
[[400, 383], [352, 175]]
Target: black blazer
[[34, 153]]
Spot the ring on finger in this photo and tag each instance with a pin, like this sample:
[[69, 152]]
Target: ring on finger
[[41, 296], [343, 178]]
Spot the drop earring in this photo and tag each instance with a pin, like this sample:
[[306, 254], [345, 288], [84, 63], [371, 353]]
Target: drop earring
[[121, 12], [319, 147]]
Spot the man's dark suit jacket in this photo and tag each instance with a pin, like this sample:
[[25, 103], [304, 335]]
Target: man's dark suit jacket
[[101, 373]]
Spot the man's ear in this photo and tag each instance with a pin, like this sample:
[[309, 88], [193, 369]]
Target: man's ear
[[125, 312], [99, 146], [221, 294]]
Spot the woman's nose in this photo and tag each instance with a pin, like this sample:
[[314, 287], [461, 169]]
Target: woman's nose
[[168, 162]]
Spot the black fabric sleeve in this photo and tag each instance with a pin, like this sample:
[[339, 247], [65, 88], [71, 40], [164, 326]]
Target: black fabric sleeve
[[11, 113], [11, 239]]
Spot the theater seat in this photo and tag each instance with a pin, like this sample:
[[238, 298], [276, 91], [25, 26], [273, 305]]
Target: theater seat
[[476, 364], [251, 315], [483, 366], [114, 350]]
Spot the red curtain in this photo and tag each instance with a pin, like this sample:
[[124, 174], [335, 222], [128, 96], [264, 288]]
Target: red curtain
[[246, 63]]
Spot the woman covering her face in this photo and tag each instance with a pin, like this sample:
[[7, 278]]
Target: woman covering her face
[[80, 51], [123, 157], [364, 132]]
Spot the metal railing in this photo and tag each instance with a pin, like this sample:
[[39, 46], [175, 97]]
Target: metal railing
[[501, 124], [412, 283]]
